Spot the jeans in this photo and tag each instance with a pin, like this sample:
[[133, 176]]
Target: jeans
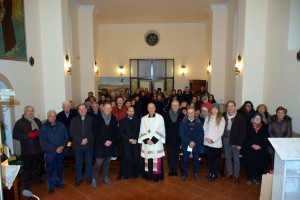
[[99, 162], [231, 152], [186, 156], [53, 168], [87, 154]]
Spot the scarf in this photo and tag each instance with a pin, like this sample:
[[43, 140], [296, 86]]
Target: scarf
[[106, 118], [33, 123], [229, 121], [173, 115], [256, 127]]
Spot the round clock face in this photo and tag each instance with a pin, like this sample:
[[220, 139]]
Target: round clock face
[[152, 39]]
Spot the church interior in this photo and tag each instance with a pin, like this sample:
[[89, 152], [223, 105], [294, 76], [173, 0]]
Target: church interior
[[238, 49]]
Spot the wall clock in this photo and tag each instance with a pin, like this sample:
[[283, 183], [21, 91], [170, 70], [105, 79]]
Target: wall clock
[[152, 38]]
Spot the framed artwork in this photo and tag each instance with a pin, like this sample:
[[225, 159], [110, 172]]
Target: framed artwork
[[114, 82], [12, 30]]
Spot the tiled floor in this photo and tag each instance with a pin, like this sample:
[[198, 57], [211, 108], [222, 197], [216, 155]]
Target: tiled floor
[[170, 188]]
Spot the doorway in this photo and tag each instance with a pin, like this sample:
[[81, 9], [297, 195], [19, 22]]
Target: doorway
[[152, 74]]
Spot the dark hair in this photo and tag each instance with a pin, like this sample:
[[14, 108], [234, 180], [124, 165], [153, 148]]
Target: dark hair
[[281, 108], [243, 107]]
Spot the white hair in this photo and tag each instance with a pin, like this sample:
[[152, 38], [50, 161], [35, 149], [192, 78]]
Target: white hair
[[51, 111], [65, 103]]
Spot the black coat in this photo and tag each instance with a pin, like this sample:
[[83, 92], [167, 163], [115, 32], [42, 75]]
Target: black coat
[[187, 97], [238, 129], [29, 146], [256, 158], [61, 116], [172, 129], [80, 132], [129, 129], [103, 133]]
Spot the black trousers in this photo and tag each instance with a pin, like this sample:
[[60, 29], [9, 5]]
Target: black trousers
[[254, 172], [213, 158], [173, 157], [130, 168], [32, 165]]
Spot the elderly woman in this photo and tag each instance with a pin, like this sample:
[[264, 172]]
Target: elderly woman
[[256, 149], [263, 110], [280, 126]]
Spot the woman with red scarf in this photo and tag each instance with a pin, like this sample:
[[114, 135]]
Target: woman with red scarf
[[256, 149]]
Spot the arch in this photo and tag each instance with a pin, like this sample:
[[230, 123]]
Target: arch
[[7, 116]]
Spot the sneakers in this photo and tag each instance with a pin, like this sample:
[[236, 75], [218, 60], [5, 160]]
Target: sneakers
[[107, 181], [94, 184], [249, 182]]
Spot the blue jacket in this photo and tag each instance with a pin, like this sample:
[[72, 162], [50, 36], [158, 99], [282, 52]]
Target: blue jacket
[[53, 136], [193, 133]]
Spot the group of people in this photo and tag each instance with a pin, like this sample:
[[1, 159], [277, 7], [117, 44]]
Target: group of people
[[183, 123]]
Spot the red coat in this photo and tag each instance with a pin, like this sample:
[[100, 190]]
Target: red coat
[[119, 113]]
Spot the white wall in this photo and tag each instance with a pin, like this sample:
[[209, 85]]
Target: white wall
[[75, 53], [26, 80], [281, 80], [184, 42], [231, 50]]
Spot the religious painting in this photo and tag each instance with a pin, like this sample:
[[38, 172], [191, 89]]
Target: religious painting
[[12, 30]]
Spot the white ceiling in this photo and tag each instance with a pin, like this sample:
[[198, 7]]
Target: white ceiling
[[151, 11]]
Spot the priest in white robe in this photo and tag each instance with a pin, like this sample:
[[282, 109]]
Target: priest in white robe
[[152, 138]]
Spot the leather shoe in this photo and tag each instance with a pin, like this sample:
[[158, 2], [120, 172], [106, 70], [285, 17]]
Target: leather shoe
[[183, 178], [61, 186], [51, 191], [77, 183], [227, 177], [38, 181], [213, 177], [236, 180], [196, 176]]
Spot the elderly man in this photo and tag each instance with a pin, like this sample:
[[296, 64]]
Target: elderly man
[[233, 139], [129, 133], [106, 131], [191, 134], [172, 121], [95, 111], [152, 138], [53, 139], [27, 131], [66, 115], [81, 130]]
